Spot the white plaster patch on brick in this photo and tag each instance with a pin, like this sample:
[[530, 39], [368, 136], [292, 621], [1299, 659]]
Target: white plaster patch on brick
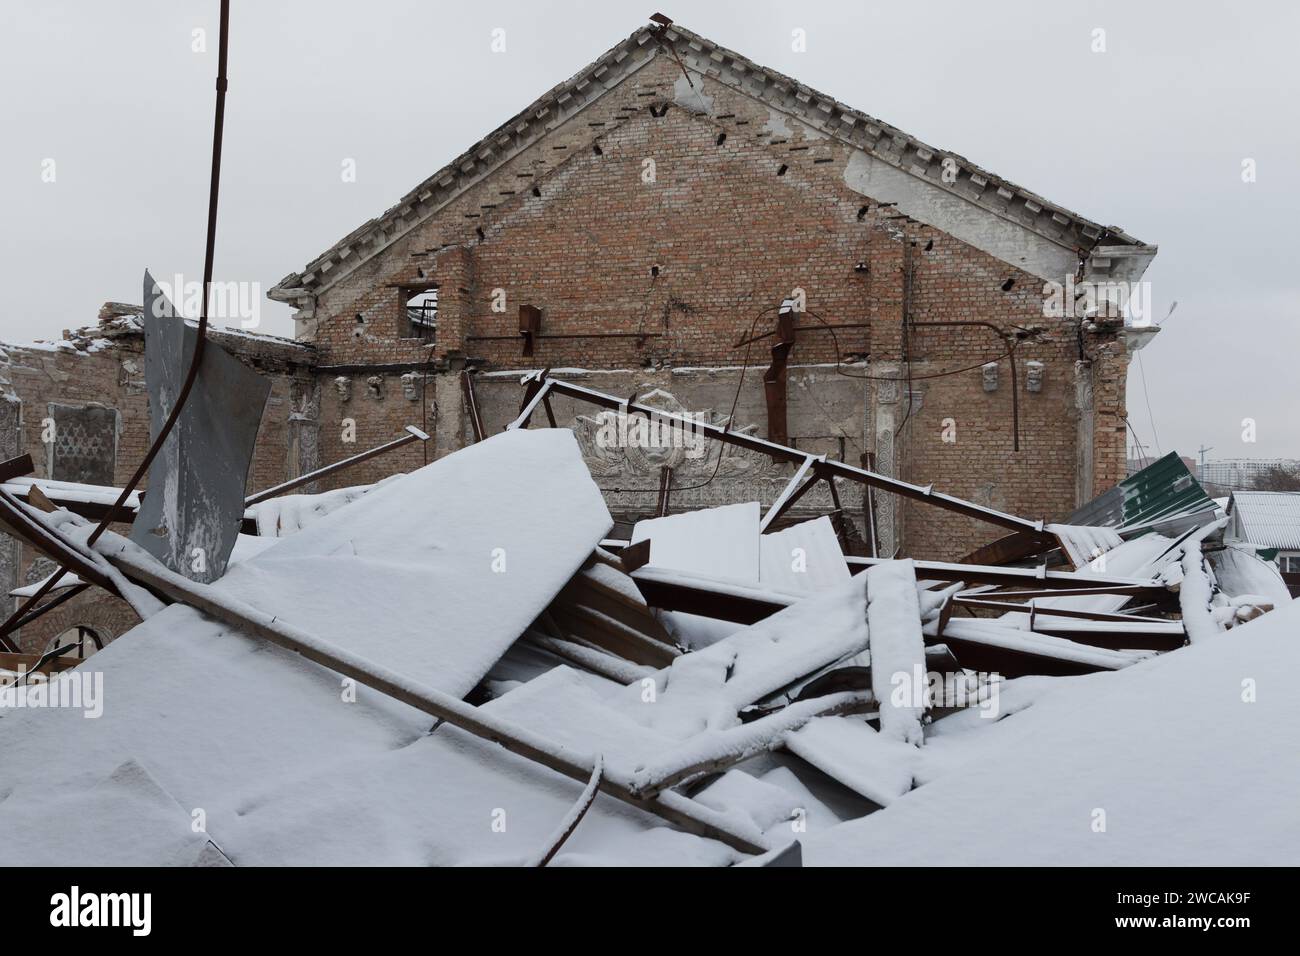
[[692, 99], [935, 206]]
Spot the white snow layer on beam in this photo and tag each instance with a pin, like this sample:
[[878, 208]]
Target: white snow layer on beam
[[289, 514], [437, 573], [897, 649], [1133, 745], [1082, 544], [1195, 595]]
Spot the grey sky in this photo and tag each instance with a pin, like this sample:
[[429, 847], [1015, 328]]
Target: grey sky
[[1149, 135]]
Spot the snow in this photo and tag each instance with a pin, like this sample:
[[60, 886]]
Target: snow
[[1189, 755], [724, 544], [287, 514], [1082, 544], [70, 491], [802, 559], [1239, 572], [847, 748], [1195, 595], [503, 525], [716, 542], [996, 634], [897, 648], [706, 690], [427, 582]]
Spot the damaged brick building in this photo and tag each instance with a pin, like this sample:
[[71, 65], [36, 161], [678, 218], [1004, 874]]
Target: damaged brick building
[[637, 229]]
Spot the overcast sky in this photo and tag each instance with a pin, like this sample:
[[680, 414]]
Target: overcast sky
[[1149, 135]]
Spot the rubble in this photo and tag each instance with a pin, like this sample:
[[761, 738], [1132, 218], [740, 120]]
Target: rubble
[[467, 670]]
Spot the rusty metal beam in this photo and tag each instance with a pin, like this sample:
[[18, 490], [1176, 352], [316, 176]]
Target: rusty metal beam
[[15, 519], [665, 489], [543, 383], [16, 467], [1047, 582], [412, 434], [1014, 547], [790, 494], [775, 378], [471, 404]]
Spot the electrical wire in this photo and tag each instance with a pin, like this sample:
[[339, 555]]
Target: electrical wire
[[192, 374], [1142, 372]]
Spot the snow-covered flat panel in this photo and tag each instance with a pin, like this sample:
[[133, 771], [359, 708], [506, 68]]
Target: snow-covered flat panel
[[720, 543], [803, 558], [436, 573]]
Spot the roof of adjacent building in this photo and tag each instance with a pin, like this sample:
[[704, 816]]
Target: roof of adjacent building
[[1269, 519], [997, 196]]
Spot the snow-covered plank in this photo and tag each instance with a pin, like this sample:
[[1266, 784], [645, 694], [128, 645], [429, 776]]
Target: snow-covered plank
[[850, 751], [897, 649], [706, 689]]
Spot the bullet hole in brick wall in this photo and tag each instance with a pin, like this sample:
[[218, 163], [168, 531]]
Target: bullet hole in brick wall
[[862, 213], [536, 191], [929, 245], [1006, 286], [862, 268], [654, 272], [781, 171], [595, 148], [722, 138], [420, 273], [359, 329], [478, 231]]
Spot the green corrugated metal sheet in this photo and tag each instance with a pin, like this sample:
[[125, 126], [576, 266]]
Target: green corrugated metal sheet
[[1161, 490]]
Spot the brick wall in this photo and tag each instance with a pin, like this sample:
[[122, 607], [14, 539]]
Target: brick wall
[[104, 366], [743, 206]]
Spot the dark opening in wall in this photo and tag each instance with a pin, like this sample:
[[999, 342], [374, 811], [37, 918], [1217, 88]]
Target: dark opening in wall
[[1006, 286], [781, 171], [536, 191], [722, 138], [419, 318]]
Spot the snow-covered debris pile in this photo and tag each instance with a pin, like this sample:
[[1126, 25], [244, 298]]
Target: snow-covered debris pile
[[1185, 760], [457, 666]]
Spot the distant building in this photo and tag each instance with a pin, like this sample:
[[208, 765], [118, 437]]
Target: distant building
[[1232, 474]]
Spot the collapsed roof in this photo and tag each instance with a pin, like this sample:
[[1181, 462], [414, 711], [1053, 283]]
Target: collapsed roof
[[457, 666]]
